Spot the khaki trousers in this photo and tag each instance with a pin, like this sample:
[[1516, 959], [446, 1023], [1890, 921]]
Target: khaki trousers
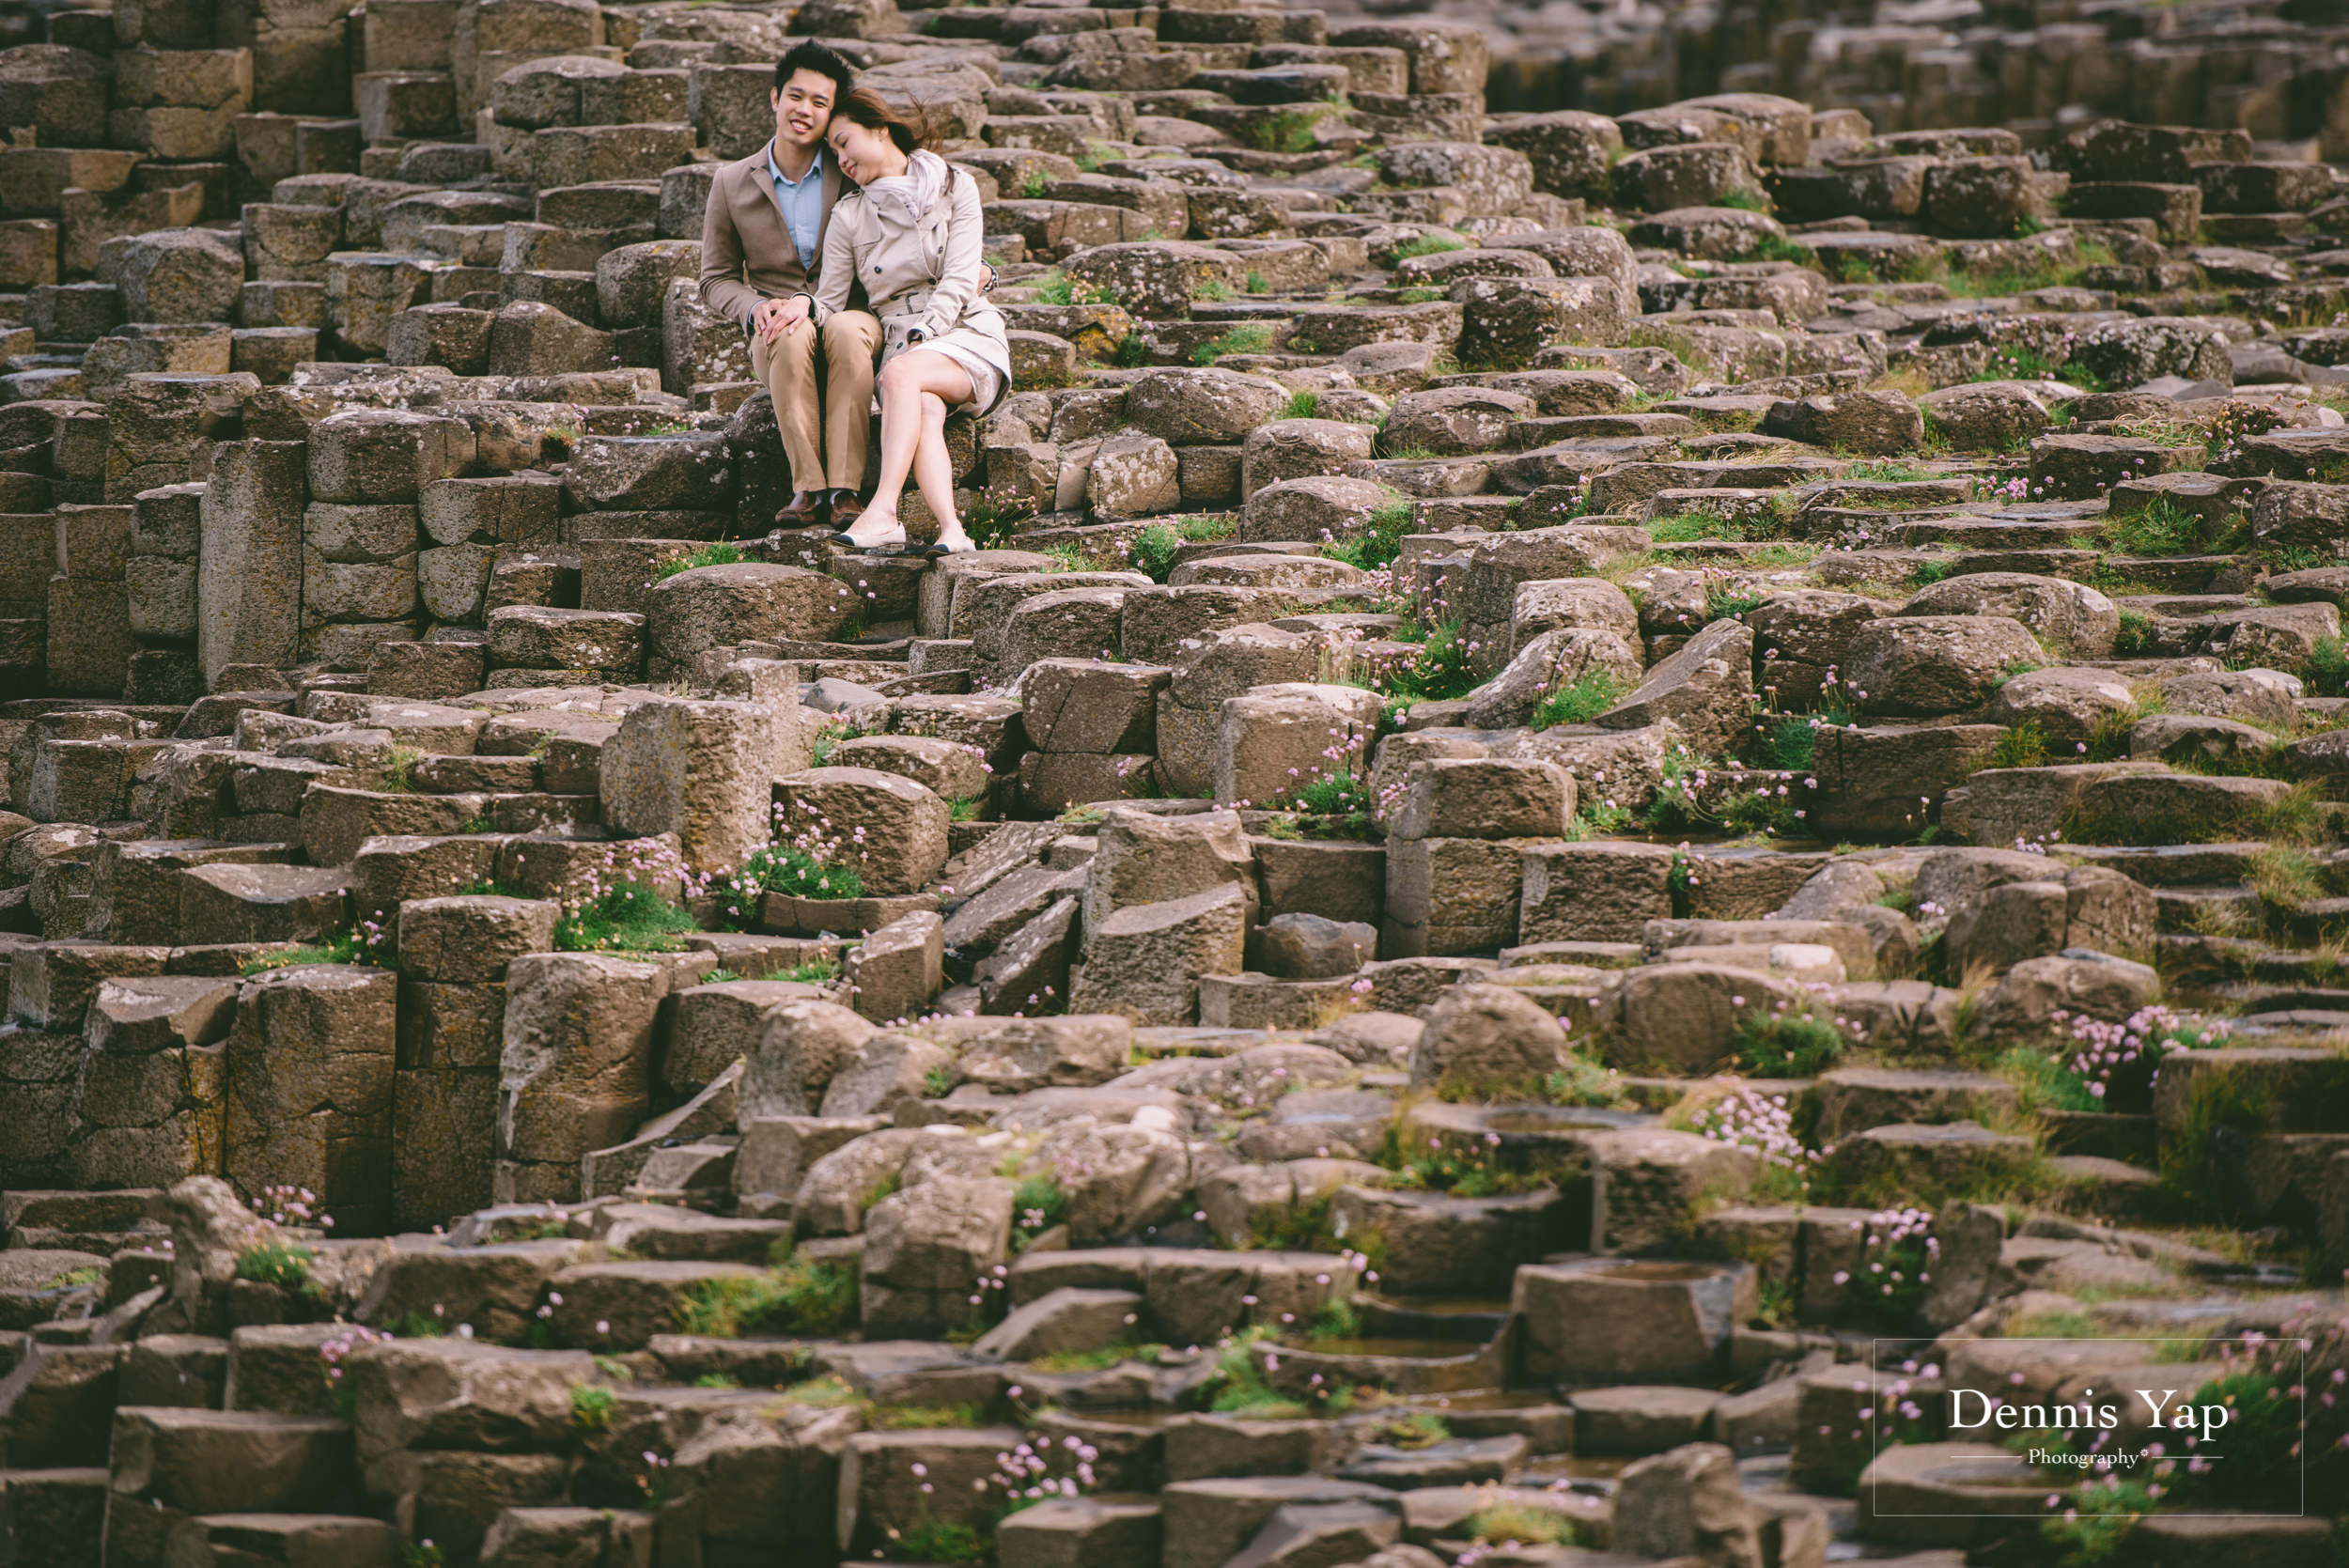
[[824, 435]]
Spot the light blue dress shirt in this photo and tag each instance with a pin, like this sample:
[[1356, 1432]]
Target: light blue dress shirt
[[802, 203]]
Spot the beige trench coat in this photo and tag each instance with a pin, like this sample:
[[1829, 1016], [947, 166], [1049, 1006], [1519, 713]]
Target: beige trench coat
[[923, 276]]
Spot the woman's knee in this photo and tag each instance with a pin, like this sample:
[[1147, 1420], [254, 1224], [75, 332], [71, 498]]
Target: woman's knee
[[900, 379]]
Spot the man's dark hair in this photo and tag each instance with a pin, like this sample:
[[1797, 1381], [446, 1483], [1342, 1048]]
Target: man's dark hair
[[808, 54]]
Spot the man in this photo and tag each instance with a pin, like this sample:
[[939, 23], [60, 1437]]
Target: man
[[762, 240]]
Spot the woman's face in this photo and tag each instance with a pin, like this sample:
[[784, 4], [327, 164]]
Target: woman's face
[[865, 155]]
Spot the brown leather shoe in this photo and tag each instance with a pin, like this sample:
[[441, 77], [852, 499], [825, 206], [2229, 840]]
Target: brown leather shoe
[[844, 513], [805, 511]]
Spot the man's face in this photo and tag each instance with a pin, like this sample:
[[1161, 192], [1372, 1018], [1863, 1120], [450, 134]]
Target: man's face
[[803, 108]]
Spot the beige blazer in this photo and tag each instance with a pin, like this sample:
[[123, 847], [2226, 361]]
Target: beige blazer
[[747, 252]]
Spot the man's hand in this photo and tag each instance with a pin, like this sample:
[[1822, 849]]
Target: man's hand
[[775, 319]]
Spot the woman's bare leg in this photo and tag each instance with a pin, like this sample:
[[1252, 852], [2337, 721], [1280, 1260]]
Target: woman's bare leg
[[935, 471], [904, 381]]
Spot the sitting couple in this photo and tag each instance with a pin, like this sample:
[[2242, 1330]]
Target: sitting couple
[[842, 243]]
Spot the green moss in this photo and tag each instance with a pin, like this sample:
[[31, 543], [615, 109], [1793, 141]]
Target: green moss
[[795, 1297]]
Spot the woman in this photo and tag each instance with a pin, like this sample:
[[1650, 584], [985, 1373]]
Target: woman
[[911, 234]]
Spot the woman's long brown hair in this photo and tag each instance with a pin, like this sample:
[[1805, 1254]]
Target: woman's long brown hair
[[909, 128]]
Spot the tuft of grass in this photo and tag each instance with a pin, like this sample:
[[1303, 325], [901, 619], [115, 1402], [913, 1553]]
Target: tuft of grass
[[1337, 1318], [2161, 527], [2020, 745], [709, 555], [1524, 1524], [1787, 1042], [1427, 244], [1380, 543], [274, 1260], [2285, 877], [342, 948], [592, 1407], [626, 917], [1746, 201], [1577, 702], [1777, 247], [396, 767], [2327, 671], [795, 1297], [1283, 130], [1302, 405], [1249, 337], [786, 868], [950, 1544]]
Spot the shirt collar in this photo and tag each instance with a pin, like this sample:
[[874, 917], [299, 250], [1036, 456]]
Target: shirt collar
[[815, 167]]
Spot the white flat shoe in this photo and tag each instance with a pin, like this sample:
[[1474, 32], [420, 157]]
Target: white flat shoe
[[890, 535]]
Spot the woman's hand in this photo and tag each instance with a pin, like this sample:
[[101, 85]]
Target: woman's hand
[[775, 319]]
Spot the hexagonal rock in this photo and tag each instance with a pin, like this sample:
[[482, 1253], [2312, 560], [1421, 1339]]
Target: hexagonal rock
[[1495, 179], [947, 769], [1925, 1159], [1068, 1320], [1309, 510], [1696, 174], [1141, 857], [1929, 665], [384, 454], [576, 1069], [1487, 1039], [2066, 704], [1570, 150], [1203, 407], [2061, 613], [1617, 1320], [1084, 704], [1680, 1017], [309, 1101], [1132, 475], [1875, 423], [1705, 688], [1278, 741], [534, 637], [1300, 449], [1506, 322], [1157, 279], [703, 770], [471, 939], [707, 607], [1145, 960], [2137, 349], [925, 1246], [690, 472], [1456, 421], [1986, 417], [889, 829], [180, 274], [1483, 798]]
